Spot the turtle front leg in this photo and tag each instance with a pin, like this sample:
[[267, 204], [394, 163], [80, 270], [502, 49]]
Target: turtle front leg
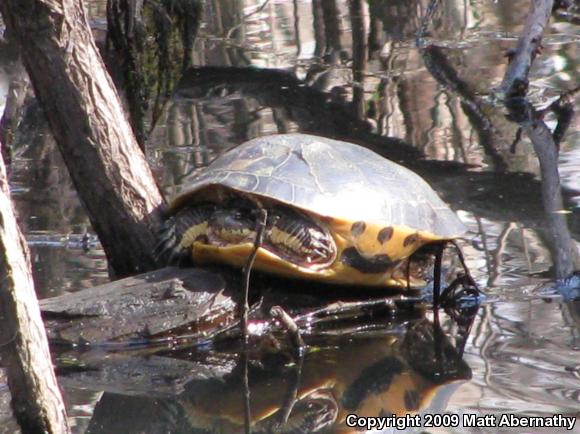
[[180, 231]]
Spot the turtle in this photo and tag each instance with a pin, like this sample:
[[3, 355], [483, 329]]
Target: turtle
[[337, 212]]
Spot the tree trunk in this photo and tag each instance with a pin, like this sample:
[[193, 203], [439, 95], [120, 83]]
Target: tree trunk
[[152, 42], [108, 169], [36, 398], [14, 102]]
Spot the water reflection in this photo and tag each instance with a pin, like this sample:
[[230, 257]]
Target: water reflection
[[523, 350], [495, 187], [407, 368], [516, 343]]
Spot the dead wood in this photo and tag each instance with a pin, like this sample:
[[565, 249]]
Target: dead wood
[[182, 307], [36, 399], [106, 164], [566, 255], [143, 309], [515, 81]]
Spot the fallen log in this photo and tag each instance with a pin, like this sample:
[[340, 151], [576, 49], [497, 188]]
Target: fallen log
[[192, 306], [141, 308]]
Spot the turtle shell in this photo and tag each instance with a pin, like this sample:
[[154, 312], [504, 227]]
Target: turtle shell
[[330, 178], [364, 199]]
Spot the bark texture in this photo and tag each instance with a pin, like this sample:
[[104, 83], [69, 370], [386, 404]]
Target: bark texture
[[566, 256], [515, 81], [106, 164], [152, 42], [36, 398], [14, 103]]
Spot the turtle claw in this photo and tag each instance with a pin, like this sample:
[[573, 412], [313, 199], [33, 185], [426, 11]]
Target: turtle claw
[[461, 298]]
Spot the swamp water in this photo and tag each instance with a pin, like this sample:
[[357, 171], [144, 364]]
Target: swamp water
[[521, 356]]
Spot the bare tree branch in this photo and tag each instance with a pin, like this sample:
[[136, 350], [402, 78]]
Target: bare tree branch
[[515, 81]]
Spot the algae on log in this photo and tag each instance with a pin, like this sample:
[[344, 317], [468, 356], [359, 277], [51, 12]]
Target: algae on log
[[36, 399], [107, 166], [152, 42]]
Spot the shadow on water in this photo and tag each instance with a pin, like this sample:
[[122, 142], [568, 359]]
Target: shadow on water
[[351, 71]]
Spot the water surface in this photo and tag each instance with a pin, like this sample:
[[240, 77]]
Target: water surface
[[524, 346]]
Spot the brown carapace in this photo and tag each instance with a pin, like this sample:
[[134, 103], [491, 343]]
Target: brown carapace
[[337, 212]]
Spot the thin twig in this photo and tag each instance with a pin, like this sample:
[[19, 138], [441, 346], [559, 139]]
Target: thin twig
[[290, 325], [292, 396], [437, 276], [260, 227], [246, 381]]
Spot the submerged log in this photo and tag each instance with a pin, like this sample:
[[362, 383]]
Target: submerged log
[[36, 399]]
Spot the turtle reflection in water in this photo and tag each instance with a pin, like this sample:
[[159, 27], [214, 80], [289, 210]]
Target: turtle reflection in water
[[400, 373], [336, 212]]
